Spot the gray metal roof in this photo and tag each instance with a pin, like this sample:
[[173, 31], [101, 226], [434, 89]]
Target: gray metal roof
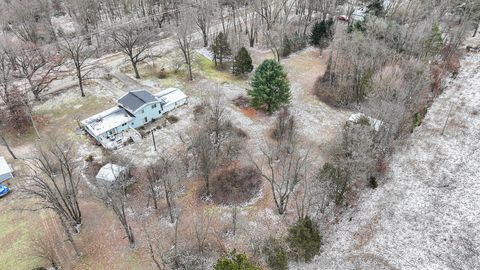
[[136, 99]]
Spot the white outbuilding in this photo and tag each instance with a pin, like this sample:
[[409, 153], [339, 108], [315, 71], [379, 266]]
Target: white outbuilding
[[6, 172], [110, 173]]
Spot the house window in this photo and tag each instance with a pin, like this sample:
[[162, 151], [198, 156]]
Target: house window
[[154, 106], [146, 119], [124, 124]]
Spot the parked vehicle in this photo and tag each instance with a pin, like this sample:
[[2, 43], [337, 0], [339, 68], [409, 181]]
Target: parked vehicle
[[4, 190]]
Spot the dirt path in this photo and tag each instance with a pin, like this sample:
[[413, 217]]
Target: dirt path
[[425, 214]]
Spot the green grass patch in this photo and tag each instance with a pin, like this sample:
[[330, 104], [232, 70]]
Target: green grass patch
[[15, 235], [207, 68], [19, 138]]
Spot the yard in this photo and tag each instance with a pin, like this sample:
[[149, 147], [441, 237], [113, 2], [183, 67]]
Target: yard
[[102, 237]]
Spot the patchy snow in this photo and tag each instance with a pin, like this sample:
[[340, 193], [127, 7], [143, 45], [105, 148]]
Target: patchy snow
[[64, 24], [205, 52], [425, 214]]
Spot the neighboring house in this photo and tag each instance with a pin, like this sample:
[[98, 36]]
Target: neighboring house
[[6, 172], [133, 110], [359, 14]]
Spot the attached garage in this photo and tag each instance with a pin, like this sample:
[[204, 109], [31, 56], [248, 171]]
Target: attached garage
[[5, 170]]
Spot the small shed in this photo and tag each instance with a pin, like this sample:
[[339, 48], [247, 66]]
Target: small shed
[[6, 172], [357, 117], [110, 173]]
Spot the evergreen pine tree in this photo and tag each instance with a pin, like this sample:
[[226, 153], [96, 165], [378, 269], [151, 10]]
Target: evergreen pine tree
[[434, 41], [242, 63], [220, 49], [376, 8], [304, 239], [235, 261], [322, 33], [318, 31], [275, 254], [270, 86]]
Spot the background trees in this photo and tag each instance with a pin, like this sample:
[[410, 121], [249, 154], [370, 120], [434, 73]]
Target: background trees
[[204, 13], [270, 86]]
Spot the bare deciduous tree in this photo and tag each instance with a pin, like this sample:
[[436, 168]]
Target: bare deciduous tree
[[283, 165], [185, 38], [77, 50], [30, 21], [166, 175], [215, 141], [48, 247], [38, 66], [53, 180], [114, 196], [134, 42], [204, 10], [6, 72]]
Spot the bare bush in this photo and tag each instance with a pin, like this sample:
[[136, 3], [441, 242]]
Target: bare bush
[[235, 185]]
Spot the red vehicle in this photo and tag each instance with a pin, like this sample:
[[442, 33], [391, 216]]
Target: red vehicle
[[342, 18]]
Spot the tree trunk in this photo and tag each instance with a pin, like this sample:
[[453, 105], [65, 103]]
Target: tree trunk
[[80, 81], [475, 31], [30, 115], [234, 219], [154, 197], [134, 64], [69, 236], [131, 239], [8, 147], [205, 38], [169, 202], [207, 185], [190, 74]]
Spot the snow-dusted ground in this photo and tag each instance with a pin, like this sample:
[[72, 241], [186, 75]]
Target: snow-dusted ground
[[426, 213]]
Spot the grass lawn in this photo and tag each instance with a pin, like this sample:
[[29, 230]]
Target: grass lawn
[[207, 68], [16, 230]]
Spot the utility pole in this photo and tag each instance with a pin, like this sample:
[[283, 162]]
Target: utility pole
[[154, 143]]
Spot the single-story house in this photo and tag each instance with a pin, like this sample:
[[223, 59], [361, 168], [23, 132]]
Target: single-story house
[[110, 173], [134, 110], [6, 172]]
